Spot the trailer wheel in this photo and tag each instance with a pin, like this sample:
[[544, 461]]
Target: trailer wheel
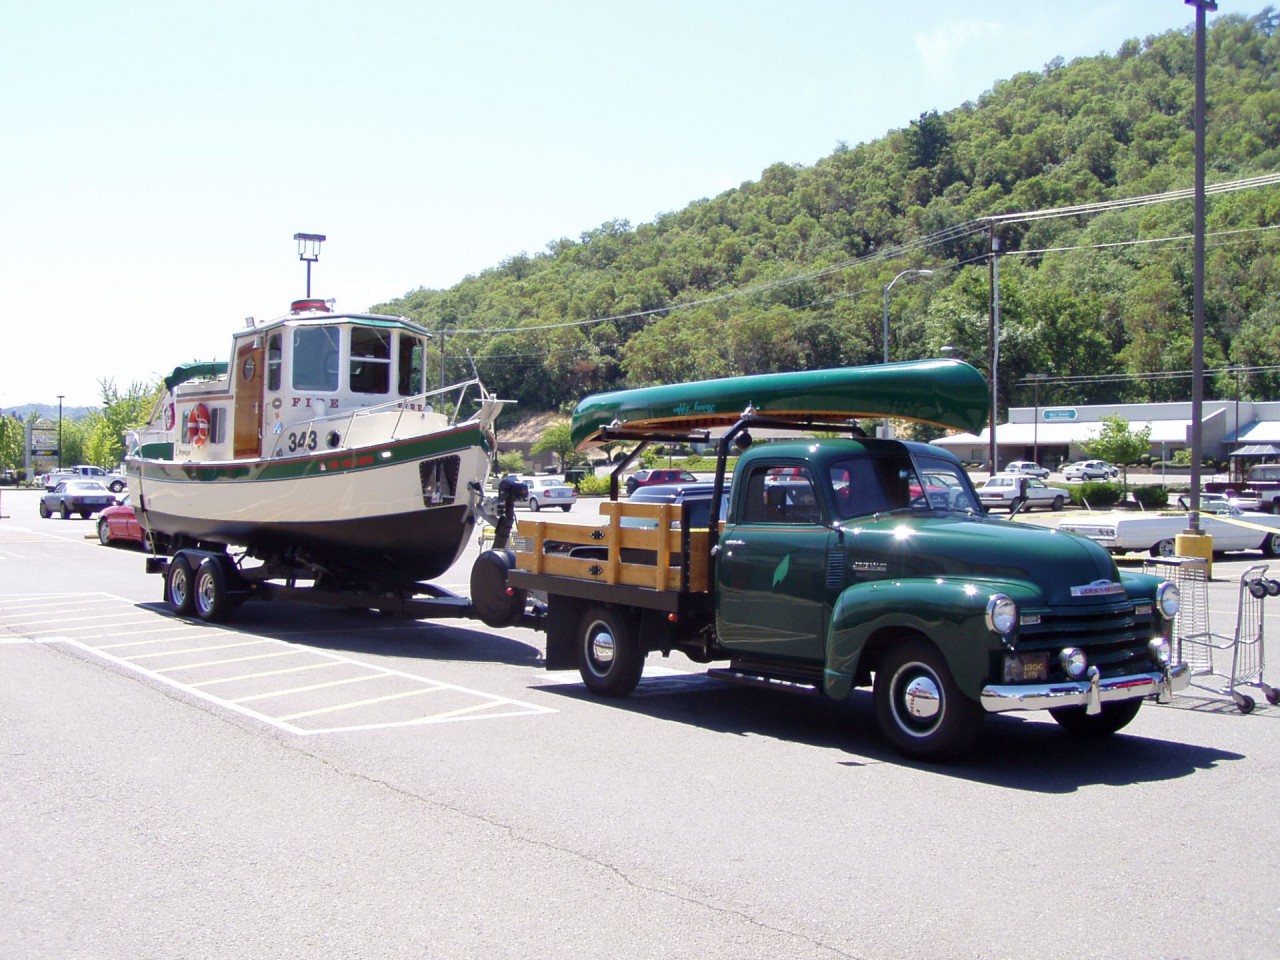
[[212, 601], [177, 586], [609, 655], [919, 708], [1113, 717]]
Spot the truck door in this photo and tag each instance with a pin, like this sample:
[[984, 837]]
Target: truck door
[[772, 598]]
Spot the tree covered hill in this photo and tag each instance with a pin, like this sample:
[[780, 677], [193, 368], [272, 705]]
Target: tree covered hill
[[790, 271]]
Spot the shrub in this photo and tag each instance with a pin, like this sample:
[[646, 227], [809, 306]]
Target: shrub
[[1153, 497], [1096, 494], [594, 486]]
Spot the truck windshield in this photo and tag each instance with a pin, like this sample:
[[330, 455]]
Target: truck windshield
[[879, 484]]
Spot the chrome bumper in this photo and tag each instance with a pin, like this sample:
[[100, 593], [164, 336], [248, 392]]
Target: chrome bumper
[[1090, 694]]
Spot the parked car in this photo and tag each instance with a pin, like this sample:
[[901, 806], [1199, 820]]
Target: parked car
[[120, 524], [1025, 468], [84, 497], [549, 492], [653, 478], [112, 481], [1127, 532], [1090, 470], [1002, 489]]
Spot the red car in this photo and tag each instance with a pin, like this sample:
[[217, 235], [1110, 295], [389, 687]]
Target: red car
[[652, 478], [119, 524]]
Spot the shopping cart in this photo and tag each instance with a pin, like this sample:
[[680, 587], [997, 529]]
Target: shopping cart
[[1206, 652]]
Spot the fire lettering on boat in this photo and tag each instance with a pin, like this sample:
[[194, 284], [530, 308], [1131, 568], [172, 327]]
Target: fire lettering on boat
[[331, 403]]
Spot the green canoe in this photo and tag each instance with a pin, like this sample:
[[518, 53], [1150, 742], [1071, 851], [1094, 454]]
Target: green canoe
[[948, 393]]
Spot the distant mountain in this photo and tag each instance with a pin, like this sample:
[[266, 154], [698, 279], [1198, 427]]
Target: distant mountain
[[48, 410]]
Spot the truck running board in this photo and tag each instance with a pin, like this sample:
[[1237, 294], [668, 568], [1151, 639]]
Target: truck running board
[[790, 684]]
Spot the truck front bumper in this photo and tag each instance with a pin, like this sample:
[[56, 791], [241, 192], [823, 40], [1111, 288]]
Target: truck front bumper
[[1091, 693]]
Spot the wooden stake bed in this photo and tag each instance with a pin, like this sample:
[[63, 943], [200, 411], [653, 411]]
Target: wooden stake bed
[[660, 555]]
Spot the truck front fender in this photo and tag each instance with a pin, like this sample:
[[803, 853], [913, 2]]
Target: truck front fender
[[950, 613]]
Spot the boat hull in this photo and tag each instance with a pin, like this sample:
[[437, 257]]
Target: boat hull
[[395, 513]]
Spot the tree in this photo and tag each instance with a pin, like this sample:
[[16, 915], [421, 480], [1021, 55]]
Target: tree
[[12, 434], [1119, 445], [558, 439]]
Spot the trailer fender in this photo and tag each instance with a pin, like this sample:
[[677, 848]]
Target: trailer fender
[[951, 614]]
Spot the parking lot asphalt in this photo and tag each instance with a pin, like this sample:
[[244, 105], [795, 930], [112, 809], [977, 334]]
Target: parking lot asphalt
[[303, 782]]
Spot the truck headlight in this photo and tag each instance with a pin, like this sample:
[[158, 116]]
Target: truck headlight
[[1073, 661], [1168, 600], [1002, 614]]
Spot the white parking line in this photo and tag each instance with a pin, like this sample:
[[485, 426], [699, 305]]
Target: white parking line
[[31, 611], [361, 703], [206, 649], [311, 686]]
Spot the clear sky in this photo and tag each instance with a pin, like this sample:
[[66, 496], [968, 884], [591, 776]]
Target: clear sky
[[156, 158]]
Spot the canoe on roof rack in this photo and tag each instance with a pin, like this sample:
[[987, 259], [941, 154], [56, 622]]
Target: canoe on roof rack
[[948, 393]]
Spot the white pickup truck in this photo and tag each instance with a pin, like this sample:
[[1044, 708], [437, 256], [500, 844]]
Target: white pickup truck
[[1130, 532]]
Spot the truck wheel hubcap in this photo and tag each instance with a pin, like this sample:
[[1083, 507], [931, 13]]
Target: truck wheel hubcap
[[602, 647], [922, 698]]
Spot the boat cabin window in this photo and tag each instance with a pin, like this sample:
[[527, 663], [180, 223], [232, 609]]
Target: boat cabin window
[[315, 358], [273, 362], [412, 366], [370, 360]]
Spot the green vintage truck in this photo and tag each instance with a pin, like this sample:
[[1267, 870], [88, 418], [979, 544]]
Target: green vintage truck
[[842, 561]]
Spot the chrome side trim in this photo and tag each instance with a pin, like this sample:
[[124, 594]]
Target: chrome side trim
[[999, 698]]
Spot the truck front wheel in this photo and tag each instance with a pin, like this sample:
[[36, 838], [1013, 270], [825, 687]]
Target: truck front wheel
[[609, 656], [919, 708], [1113, 717]]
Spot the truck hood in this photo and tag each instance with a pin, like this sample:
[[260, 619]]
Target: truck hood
[[1012, 554]]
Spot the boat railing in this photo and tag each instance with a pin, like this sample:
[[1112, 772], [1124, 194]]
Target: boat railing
[[333, 432]]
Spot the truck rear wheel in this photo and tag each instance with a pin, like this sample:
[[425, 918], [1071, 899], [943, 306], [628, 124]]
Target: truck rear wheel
[[1113, 717], [919, 708], [609, 656]]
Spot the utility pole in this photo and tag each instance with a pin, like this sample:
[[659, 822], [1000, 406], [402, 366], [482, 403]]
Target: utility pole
[[993, 334]]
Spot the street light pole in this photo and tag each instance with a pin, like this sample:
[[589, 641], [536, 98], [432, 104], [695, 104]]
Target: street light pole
[[60, 396], [1197, 343], [1036, 379], [887, 287]]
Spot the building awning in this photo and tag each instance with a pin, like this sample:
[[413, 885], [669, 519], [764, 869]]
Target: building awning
[[1256, 450], [1064, 434], [1260, 431]]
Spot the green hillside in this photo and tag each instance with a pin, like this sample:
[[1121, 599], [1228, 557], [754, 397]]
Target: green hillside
[[789, 271]]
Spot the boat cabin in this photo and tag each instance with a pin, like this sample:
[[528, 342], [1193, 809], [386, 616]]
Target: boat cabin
[[295, 383]]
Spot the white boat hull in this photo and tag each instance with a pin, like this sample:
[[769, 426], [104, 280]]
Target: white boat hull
[[397, 512]]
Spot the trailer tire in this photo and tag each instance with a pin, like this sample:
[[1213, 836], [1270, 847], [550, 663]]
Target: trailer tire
[[919, 708], [177, 586], [1113, 717], [210, 596], [609, 655]]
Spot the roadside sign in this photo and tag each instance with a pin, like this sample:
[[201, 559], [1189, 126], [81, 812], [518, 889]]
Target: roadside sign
[[1066, 413]]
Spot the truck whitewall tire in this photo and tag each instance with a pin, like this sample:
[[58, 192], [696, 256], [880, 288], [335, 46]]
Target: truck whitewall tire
[[609, 655], [919, 708]]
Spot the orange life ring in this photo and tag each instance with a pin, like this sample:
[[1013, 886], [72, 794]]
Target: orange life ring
[[198, 425]]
